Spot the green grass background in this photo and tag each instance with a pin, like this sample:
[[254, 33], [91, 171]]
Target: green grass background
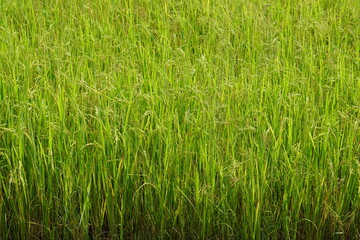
[[211, 119]]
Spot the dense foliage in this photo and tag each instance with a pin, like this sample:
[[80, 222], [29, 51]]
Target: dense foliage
[[179, 119]]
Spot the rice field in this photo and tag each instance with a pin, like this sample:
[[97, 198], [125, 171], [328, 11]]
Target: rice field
[[209, 119]]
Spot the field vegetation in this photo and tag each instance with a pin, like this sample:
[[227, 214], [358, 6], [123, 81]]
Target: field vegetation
[[174, 119]]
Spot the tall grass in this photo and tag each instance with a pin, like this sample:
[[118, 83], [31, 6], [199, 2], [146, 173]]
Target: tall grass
[[179, 119]]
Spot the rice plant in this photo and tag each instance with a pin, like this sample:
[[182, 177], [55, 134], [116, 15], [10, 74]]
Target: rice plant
[[209, 119]]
